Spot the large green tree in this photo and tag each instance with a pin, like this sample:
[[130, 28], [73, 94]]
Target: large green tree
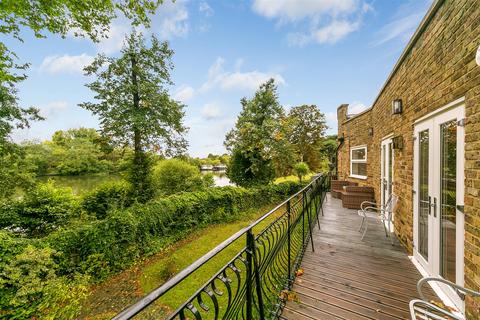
[[82, 18], [134, 106], [306, 132], [256, 137]]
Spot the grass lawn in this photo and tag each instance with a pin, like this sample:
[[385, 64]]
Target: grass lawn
[[294, 178], [122, 290]]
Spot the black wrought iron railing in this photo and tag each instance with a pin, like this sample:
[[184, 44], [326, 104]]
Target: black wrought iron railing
[[256, 282]]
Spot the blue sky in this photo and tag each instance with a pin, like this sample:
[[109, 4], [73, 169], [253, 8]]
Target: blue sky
[[322, 52]]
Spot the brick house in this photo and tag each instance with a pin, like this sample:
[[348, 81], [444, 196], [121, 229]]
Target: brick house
[[427, 150]]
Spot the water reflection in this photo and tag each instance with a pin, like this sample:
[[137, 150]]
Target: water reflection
[[219, 178]]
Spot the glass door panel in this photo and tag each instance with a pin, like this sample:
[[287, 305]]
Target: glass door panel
[[423, 193], [448, 195]]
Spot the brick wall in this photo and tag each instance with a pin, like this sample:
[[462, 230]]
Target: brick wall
[[439, 69]]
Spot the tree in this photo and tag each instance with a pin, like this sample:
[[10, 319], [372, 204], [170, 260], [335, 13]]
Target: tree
[[174, 175], [307, 127], [301, 170], [255, 137], [85, 18], [134, 106]]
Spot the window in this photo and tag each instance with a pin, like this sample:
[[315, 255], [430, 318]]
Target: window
[[358, 162]]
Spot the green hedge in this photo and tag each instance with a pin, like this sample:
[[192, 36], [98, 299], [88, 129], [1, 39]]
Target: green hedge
[[125, 235]]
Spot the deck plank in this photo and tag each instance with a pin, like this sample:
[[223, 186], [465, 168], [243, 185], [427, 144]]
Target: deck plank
[[346, 278]]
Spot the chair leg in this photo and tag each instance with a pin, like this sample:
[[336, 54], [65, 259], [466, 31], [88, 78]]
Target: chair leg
[[365, 231], [361, 225]]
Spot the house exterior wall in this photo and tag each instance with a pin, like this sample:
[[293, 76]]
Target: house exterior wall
[[439, 68]]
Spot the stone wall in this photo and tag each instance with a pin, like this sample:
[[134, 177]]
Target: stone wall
[[438, 69]]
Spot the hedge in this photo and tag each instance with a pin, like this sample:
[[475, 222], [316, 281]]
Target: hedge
[[109, 245]]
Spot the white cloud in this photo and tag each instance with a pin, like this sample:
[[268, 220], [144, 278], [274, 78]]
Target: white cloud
[[402, 28], [294, 10], [356, 107], [65, 64], [211, 111], [403, 23], [325, 21], [205, 9], [184, 93], [115, 38], [174, 17], [236, 80], [54, 107]]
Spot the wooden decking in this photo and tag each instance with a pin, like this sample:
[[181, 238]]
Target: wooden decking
[[346, 278]]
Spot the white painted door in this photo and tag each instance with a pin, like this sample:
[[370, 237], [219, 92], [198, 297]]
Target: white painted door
[[438, 197], [386, 164]]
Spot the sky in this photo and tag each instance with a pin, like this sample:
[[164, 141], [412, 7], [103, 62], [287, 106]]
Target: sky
[[322, 52]]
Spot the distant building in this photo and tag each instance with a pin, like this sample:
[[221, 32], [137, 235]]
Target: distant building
[[219, 167], [206, 167]]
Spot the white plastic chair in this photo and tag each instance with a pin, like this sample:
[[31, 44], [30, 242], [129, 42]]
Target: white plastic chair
[[383, 213], [425, 310]]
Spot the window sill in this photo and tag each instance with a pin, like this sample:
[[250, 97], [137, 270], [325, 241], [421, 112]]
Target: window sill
[[358, 177]]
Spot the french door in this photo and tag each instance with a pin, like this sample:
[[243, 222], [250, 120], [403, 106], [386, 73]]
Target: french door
[[386, 164], [438, 197]]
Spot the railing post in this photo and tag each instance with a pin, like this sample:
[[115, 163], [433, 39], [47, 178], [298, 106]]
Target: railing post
[[303, 219], [249, 277], [289, 216], [308, 205], [253, 274]]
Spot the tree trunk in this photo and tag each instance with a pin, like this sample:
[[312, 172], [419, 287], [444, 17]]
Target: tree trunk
[[136, 106]]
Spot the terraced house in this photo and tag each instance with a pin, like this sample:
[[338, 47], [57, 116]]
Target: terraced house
[[420, 140]]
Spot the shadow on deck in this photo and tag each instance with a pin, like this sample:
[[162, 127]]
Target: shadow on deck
[[346, 278]]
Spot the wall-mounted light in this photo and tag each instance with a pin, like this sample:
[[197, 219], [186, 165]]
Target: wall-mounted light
[[397, 106], [397, 142], [370, 131]]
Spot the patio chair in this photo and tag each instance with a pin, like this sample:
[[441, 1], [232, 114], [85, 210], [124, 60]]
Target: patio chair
[[426, 310], [383, 213]]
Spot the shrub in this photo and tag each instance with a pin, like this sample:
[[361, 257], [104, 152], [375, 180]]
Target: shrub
[[43, 209], [108, 196], [174, 175], [31, 289], [301, 169]]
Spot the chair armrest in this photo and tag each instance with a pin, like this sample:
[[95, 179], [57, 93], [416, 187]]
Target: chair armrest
[[461, 291], [428, 310], [370, 203]]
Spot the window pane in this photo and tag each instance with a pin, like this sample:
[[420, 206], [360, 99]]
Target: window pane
[[359, 169], [359, 154], [423, 189], [448, 212]]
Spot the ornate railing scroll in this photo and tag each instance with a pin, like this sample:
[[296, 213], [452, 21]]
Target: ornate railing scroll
[[256, 282]]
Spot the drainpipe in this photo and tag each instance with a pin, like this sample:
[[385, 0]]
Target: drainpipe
[[340, 140]]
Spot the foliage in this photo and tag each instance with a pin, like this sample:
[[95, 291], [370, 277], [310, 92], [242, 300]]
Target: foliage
[[31, 288], [306, 130], [11, 114], [174, 176], [240, 169], [134, 105], [301, 169], [43, 209], [256, 137], [15, 170], [125, 235], [109, 196], [73, 152]]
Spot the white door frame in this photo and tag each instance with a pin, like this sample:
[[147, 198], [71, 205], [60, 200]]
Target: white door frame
[[432, 266], [384, 178]]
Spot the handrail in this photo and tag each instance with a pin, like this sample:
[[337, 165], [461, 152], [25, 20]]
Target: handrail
[[182, 275]]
